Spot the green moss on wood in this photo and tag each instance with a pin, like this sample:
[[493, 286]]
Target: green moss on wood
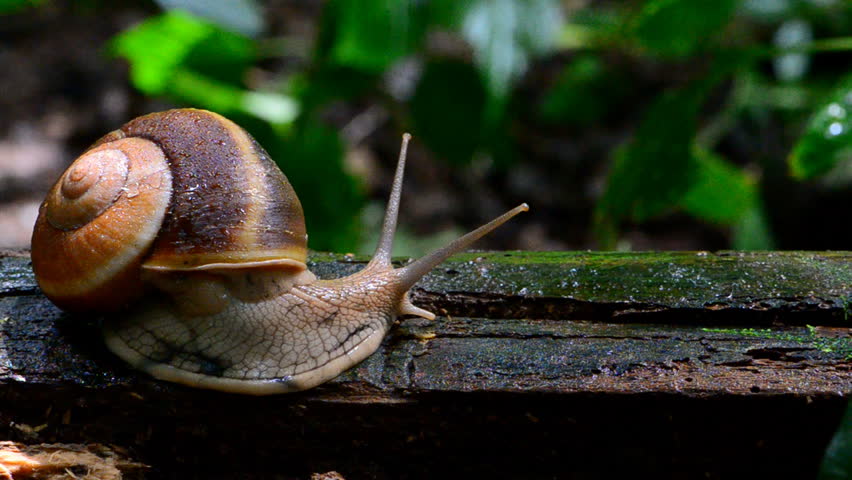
[[595, 285], [811, 338]]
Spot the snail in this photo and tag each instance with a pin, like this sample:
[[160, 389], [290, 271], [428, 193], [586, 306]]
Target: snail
[[186, 236]]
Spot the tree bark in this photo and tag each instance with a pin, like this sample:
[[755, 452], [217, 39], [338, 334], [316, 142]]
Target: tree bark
[[704, 346]]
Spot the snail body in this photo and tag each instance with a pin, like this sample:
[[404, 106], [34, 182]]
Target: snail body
[[180, 227]]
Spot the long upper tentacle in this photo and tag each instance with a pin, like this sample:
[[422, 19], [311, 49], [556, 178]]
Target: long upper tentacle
[[410, 274], [406, 277], [382, 257]]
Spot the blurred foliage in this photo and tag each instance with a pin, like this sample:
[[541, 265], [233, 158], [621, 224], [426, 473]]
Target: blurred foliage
[[828, 136], [505, 34], [12, 6], [837, 462], [167, 54], [585, 90], [453, 73], [370, 35], [312, 157], [654, 170], [721, 193], [242, 16], [453, 136], [678, 28]]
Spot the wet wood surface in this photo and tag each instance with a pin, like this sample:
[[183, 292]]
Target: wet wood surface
[[652, 345]]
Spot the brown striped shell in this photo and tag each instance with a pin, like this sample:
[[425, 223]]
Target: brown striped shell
[[180, 190]]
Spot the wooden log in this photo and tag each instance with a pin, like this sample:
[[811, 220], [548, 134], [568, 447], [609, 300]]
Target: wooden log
[[691, 324], [527, 347]]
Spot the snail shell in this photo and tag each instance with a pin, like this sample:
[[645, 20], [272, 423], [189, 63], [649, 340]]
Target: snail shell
[[185, 208], [138, 198]]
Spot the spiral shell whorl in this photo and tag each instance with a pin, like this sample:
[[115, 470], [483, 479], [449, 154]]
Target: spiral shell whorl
[[88, 188], [98, 222]]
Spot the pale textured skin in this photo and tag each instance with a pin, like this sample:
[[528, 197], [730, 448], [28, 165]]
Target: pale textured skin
[[300, 339]]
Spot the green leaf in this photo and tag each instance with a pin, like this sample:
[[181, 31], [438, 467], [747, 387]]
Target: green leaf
[[222, 56], [183, 57], [195, 89], [241, 16], [591, 27], [651, 174], [504, 35], [449, 120], [837, 462], [722, 193], [828, 137], [372, 34], [677, 28], [752, 232], [727, 195], [157, 47], [583, 93], [13, 6], [174, 41], [328, 83], [447, 14]]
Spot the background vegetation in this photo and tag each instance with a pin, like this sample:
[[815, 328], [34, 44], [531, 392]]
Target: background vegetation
[[623, 124]]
